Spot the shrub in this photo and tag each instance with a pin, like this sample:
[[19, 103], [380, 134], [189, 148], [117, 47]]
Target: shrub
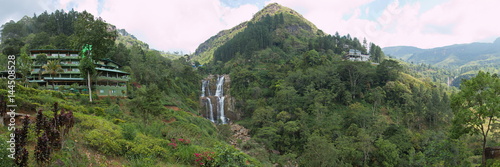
[[101, 134], [226, 155], [129, 131], [148, 146], [6, 161]]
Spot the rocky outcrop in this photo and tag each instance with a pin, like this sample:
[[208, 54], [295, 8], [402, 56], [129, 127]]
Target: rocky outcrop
[[240, 134]]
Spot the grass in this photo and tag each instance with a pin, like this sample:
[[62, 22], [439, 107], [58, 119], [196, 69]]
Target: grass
[[110, 134]]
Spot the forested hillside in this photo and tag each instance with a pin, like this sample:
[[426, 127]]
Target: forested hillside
[[453, 63], [309, 107]]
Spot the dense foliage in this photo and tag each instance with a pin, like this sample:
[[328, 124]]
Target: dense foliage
[[310, 107], [113, 132]]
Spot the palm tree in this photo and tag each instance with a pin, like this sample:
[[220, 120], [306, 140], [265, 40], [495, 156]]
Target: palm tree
[[52, 67]]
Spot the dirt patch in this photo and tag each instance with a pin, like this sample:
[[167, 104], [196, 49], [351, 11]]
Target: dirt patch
[[175, 108]]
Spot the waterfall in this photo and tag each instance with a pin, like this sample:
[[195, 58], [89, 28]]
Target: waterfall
[[217, 116], [220, 83], [222, 117], [203, 85], [219, 93], [205, 90], [211, 110]]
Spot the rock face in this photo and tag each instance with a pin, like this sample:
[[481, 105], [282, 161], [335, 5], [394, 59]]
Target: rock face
[[239, 133], [216, 103]]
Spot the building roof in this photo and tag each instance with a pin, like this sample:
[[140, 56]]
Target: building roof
[[63, 79], [111, 70], [53, 50], [111, 61], [36, 81]]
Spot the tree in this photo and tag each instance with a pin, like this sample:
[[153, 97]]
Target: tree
[[53, 67], [388, 70], [95, 32], [148, 101], [476, 107], [387, 153], [41, 59], [87, 67], [24, 64], [319, 152]]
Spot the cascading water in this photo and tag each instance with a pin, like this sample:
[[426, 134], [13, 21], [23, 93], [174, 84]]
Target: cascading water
[[219, 93], [205, 90], [204, 84], [211, 110], [217, 116]]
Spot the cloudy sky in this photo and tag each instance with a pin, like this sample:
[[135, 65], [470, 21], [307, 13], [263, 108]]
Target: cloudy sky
[[181, 25]]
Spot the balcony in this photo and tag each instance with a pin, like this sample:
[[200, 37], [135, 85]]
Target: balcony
[[113, 78], [70, 65], [69, 58]]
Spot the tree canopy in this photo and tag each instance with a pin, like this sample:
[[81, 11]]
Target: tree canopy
[[477, 107]]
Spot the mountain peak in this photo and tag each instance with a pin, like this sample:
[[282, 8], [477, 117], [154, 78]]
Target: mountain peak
[[273, 9], [497, 41], [287, 21]]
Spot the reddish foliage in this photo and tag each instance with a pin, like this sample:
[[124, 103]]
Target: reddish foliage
[[205, 158]]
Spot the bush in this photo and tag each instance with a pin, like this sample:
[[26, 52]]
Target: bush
[[226, 155], [128, 131], [6, 161], [102, 134], [186, 153], [146, 146]]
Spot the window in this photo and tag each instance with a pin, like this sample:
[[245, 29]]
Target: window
[[113, 91], [101, 91]]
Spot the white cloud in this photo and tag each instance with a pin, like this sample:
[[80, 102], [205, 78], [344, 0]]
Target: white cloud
[[183, 25], [451, 22], [168, 25], [328, 14]]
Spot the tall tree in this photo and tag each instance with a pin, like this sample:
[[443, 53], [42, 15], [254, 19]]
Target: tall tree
[[388, 70], [95, 32], [24, 64], [53, 67], [476, 107], [41, 59], [87, 67]]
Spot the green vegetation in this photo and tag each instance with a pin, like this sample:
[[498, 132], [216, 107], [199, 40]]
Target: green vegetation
[[113, 132], [304, 105], [476, 107], [309, 107], [453, 63], [138, 131]]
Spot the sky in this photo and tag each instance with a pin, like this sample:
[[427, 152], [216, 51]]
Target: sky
[[181, 25]]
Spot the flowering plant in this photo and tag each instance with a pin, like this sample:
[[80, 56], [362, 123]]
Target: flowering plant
[[174, 142], [205, 158]]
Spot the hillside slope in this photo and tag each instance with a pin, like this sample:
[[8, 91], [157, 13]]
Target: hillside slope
[[295, 23], [453, 55]]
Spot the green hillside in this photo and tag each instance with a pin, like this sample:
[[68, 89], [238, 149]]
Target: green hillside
[[456, 62], [294, 23], [309, 107], [450, 56], [157, 125]]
